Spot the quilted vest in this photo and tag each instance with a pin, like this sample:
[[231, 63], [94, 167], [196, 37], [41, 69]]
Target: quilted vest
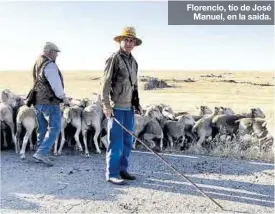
[[44, 94]]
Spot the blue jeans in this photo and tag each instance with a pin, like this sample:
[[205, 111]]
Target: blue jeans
[[119, 143], [49, 120]]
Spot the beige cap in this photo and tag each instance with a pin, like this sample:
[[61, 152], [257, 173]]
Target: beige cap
[[51, 46]]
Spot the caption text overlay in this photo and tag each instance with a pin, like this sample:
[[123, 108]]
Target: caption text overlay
[[221, 12]]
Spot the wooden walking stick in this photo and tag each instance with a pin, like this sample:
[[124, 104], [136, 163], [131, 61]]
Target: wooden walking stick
[[169, 165]]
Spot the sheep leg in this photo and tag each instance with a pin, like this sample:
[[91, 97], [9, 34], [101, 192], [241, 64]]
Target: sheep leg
[[76, 137], [16, 144], [97, 132], [152, 143], [161, 144], [201, 140], [217, 137], [55, 147], [18, 132], [84, 134], [100, 141], [69, 140], [134, 143], [183, 139], [32, 147], [24, 145], [263, 141], [227, 139], [149, 138], [260, 144], [170, 139], [191, 137], [104, 140], [5, 139], [62, 142]]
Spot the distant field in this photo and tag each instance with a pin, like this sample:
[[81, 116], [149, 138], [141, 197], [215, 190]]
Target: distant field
[[185, 96]]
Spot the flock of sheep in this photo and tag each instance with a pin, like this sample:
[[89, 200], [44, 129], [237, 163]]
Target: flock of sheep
[[160, 127]]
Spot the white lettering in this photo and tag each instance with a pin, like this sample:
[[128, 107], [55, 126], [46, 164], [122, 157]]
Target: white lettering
[[197, 8], [261, 8], [199, 16], [258, 16]]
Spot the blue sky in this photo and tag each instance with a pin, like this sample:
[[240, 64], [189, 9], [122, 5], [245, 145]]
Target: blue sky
[[84, 32]]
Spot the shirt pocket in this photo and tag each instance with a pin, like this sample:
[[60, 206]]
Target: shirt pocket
[[122, 74]]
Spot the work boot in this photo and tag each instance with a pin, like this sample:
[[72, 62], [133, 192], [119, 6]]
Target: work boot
[[116, 181], [51, 158], [127, 176], [43, 158]]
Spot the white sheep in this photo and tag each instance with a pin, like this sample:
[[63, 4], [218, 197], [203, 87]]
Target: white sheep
[[255, 127], [6, 117], [92, 116], [165, 110], [202, 127], [9, 103], [203, 110], [25, 117], [176, 129], [70, 115], [224, 124], [152, 116]]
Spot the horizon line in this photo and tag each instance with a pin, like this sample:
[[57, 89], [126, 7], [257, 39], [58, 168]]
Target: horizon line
[[156, 70]]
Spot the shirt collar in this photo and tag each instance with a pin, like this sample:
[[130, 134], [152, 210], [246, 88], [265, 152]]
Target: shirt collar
[[122, 52], [47, 57]]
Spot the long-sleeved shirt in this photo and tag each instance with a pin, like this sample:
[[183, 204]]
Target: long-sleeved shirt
[[51, 73]]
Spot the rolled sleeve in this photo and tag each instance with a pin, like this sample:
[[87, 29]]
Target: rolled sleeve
[[52, 75]]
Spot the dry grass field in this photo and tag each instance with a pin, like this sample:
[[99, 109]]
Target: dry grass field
[[185, 96], [237, 90]]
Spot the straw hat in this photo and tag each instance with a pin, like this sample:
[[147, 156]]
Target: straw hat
[[128, 32]]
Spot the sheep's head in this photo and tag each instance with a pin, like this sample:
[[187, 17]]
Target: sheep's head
[[257, 112], [84, 102], [8, 97], [217, 110], [187, 120], [205, 110], [168, 112], [67, 114], [260, 129], [226, 111], [96, 98], [154, 112], [19, 101]]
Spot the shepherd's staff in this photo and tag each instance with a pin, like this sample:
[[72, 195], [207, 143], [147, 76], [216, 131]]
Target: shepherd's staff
[[204, 194]]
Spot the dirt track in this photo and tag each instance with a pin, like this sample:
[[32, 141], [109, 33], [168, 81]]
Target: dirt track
[[76, 185]]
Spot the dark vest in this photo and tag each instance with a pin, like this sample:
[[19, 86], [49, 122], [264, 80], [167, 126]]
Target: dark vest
[[45, 94]]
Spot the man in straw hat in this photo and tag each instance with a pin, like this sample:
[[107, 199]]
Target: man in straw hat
[[118, 86], [49, 89]]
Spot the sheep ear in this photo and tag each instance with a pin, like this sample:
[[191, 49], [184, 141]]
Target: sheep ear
[[5, 93], [264, 124], [237, 121]]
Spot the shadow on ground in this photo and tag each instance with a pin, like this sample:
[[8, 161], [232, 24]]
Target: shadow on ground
[[77, 177]]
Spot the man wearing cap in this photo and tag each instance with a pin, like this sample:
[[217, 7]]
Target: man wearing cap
[[118, 83], [49, 94]]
